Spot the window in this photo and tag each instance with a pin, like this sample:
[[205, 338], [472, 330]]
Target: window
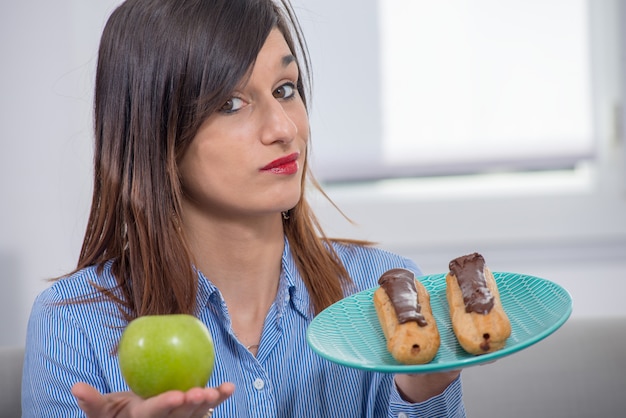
[[483, 83], [408, 88]]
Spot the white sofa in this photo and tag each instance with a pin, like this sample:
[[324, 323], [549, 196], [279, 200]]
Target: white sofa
[[577, 372], [11, 360]]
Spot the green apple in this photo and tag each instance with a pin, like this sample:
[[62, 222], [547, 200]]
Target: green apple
[[158, 353]]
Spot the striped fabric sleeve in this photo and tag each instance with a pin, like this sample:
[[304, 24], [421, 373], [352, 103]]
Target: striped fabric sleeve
[[57, 356], [449, 404]]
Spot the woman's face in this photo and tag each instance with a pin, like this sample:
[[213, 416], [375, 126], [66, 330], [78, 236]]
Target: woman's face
[[247, 158]]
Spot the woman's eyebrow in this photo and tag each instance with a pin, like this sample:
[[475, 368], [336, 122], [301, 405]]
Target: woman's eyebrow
[[288, 59]]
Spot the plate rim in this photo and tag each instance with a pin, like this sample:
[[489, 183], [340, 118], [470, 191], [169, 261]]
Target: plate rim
[[453, 365]]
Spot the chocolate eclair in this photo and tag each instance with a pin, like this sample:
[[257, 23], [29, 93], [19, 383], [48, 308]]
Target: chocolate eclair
[[403, 307], [479, 321]]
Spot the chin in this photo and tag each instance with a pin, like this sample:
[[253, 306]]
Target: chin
[[288, 200]]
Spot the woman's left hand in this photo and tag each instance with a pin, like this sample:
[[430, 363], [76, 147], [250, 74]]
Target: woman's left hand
[[195, 402], [421, 387]]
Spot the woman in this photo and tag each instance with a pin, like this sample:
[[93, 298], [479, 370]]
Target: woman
[[199, 207]]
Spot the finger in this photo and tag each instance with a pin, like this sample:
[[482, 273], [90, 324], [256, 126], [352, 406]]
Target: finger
[[97, 405], [168, 404], [225, 391], [89, 399], [198, 401], [211, 396]]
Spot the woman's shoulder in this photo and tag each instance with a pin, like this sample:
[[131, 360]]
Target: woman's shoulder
[[366, 263], [71, 324], [81, 284], [76, 302]]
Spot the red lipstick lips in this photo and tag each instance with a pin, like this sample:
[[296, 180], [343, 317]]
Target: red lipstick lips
[[283, 165]]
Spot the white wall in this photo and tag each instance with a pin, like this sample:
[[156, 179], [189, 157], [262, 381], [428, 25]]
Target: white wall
[[47, 50], [570, 227]]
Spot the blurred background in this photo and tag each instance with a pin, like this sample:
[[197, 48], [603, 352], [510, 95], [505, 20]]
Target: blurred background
[[439, 128]]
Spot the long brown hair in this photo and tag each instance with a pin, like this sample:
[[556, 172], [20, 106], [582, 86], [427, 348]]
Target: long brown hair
[[163, 67]]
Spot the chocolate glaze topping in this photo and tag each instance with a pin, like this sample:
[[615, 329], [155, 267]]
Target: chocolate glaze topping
[[470, 274], [400, 287]]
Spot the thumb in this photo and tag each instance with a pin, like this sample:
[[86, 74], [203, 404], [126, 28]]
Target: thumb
[[89, 399]]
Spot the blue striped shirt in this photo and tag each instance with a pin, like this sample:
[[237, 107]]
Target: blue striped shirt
[[70, 343]]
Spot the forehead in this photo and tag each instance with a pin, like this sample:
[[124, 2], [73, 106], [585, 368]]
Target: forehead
[[276, 47], [275, 55]]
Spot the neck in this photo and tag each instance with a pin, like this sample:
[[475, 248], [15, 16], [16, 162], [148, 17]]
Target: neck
[[243, 260], [234, 254]]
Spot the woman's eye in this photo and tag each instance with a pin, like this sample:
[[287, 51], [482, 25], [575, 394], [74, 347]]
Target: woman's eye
[[286, 91], [232, 105]]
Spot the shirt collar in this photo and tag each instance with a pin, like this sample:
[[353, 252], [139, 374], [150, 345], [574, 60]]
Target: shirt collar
[[298, 292]]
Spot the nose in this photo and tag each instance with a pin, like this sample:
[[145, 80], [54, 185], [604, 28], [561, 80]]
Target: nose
[[277, 125]]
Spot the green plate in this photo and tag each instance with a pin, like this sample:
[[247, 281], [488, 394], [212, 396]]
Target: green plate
[[348, 332]]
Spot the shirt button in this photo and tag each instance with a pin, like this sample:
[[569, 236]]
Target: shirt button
[[402, 415], [258, 384]]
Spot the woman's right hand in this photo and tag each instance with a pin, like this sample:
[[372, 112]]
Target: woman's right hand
[[194, 403]]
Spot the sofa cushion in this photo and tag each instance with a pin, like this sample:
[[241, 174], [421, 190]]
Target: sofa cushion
[[11, 360], [579, 371]]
